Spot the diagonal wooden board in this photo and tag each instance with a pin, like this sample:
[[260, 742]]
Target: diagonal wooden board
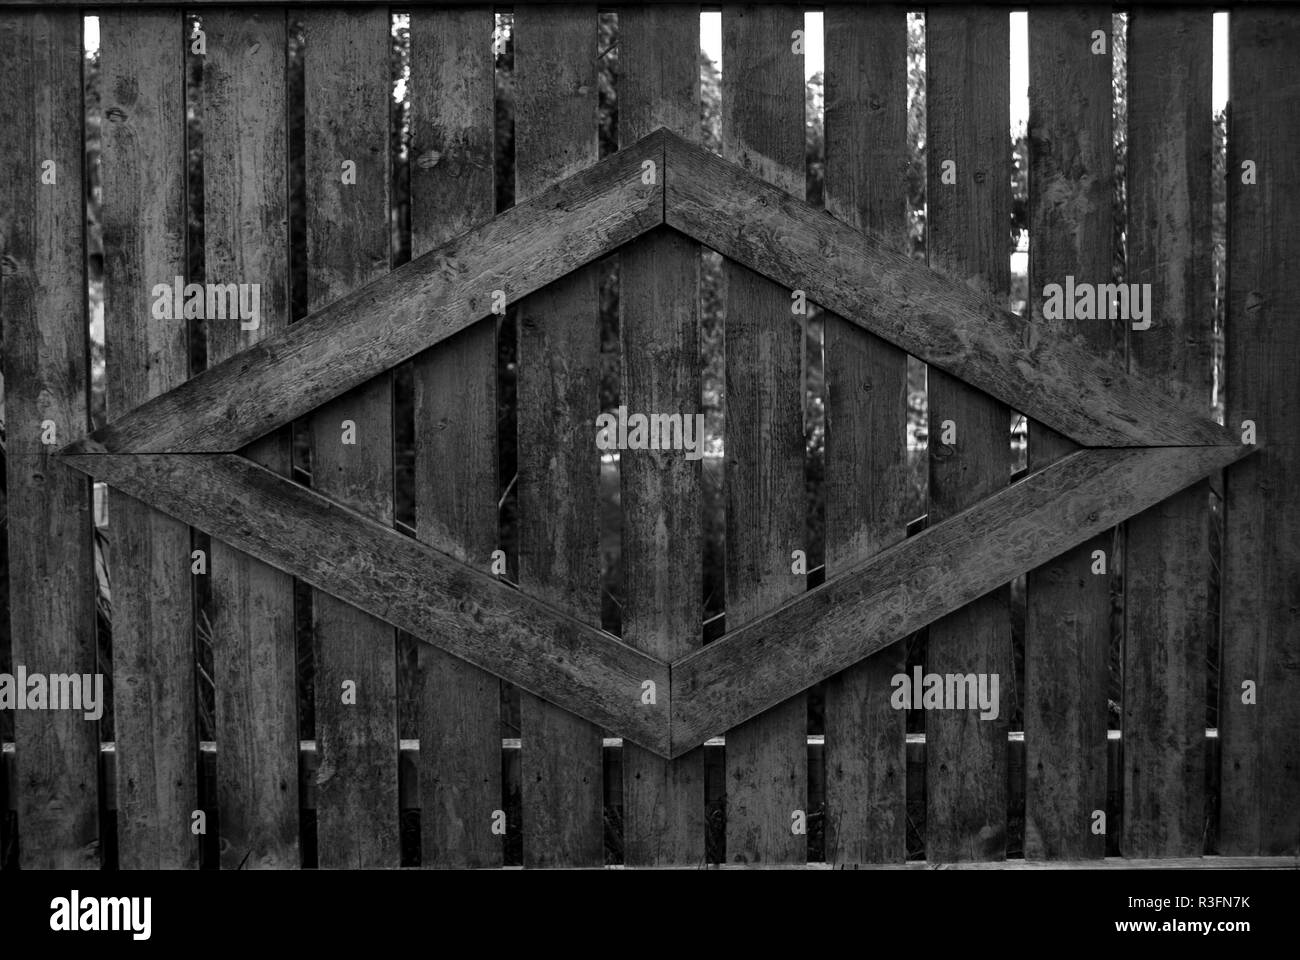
[[389, 320], [592, 673], [403, 581], [917, 581], [587, 215], [863, 278]]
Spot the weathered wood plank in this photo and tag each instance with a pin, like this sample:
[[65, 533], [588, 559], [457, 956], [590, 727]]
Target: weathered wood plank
[[42, 308], [935, 317], [452, 123], [341, 345], [1261, 636], [1067, 630], [558, 397], [866, 425], [967, 55], [762, 130], [1167, 549], [144, 221], [659, 76], [245, 232], [346, 122], [913, 583], [409, 584]]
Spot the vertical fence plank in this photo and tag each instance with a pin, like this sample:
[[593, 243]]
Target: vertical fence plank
[[866, 426], [663, 805], [1167, 559], [967, 90], [1067, 628], [1261, 639], [246, 239], [452, 124], [762, 130], [346, 85], [558, 395], [144, 218], [42, 308]]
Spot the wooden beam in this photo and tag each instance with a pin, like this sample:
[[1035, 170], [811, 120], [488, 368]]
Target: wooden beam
[[452, 120], [967, 93], [558, 401], [398, 579], [913, 583], [941, 320], [1261, 543], [866, 425], [762, 127], [1167, 558], [246, 236], [388, 321], [1067, 622], [659, 295], [142, 77], [345, 115], [51, 619]]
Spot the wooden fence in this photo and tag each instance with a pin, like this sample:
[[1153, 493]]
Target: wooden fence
[[687, 752]]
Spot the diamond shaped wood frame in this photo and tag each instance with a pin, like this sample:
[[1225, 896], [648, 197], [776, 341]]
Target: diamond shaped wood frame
[[176, 451]]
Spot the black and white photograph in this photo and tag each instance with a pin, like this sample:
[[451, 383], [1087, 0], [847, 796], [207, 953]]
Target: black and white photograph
[[610, 441]]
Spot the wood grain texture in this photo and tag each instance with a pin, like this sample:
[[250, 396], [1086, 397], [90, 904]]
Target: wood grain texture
[[1067, 631], [659, 75], [967, 56], [1261, 632], [866, 426], [925, 312], [911, 584], [1167, 549], [341, 345], [452, 85], [346, 84], [409, 584], [558, 398], [762, 131], [529, 246], [144, 223], [246, 239], [308, 763], [42, 308]]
